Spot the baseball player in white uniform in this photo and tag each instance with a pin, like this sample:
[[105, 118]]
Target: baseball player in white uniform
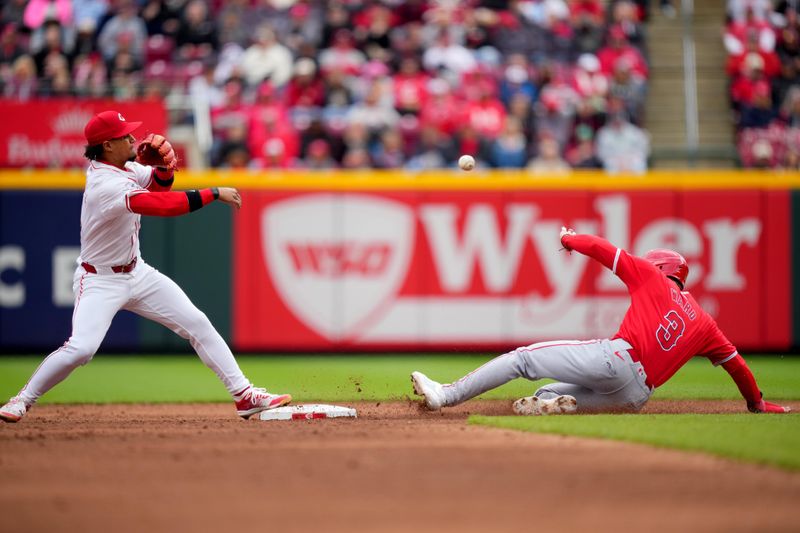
[[111, 274]]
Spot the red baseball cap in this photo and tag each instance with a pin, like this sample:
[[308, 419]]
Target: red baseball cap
[[108, 125]]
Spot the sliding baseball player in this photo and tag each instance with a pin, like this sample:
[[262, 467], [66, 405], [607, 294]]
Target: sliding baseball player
[[663, 328], [122, 185]]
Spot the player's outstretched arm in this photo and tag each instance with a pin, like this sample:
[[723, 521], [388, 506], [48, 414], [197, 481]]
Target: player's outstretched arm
[[590, 245], [741, 375], [176, 203]]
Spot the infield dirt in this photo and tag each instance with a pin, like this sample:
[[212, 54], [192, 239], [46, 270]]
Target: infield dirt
[[198, 468]]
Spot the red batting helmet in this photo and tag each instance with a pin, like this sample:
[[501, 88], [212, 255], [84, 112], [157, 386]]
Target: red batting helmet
[[671, 263]]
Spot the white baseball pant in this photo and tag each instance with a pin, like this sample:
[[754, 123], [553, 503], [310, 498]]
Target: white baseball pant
[[146, 292], [599, 373]]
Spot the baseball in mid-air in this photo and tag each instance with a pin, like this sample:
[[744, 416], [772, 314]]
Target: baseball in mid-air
[[466, 162]]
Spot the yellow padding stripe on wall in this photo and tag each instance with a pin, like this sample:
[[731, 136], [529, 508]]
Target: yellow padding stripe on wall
[[433, 180]]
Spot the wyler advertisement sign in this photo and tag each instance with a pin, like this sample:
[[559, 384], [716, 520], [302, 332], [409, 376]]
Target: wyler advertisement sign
[[49, 133], [482, 269]]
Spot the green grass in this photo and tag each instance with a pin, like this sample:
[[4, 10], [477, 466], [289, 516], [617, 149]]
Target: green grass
[[158, 379], [765, 439], [770, 440]]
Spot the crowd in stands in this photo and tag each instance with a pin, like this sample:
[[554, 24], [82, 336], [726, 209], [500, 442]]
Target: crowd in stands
[[762, 39], [547, 85]]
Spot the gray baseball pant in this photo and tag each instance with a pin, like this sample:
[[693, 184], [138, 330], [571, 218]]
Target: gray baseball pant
[[599, 373]]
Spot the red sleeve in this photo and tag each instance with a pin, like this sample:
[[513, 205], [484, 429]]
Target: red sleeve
[[170, 204], [718, 348], [161, 180], [632, 270], [740, 373]]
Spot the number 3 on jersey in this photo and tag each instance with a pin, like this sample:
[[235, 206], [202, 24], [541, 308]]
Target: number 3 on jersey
[[670, 330]]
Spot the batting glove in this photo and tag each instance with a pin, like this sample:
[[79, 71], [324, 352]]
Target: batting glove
[[763, 406]]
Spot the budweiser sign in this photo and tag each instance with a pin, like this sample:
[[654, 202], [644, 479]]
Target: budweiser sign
[[49, 133]]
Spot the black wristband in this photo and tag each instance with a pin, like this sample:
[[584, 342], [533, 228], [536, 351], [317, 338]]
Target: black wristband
[[195, 200], [164, 183], [215, 191]]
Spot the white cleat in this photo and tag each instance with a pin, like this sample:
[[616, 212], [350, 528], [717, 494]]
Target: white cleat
[[13, 410], [531, 405], [432, 391], [254, 400]]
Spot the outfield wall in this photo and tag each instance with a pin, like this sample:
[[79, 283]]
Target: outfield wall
[[399, 261]]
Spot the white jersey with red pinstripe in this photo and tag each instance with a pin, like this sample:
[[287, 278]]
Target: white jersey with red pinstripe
[[109, 229], [110, 238]]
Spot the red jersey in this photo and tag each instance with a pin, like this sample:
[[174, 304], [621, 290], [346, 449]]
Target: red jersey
[[664, 324]]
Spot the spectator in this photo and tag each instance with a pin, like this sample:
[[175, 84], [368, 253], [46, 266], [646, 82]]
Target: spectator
[[763, 155], [389, 151], [235, 23], [589, 82], [788, 48], [21, 84], [13, 11], [336, 18], [549, 160], [372, 28], [487, 116], [159, 17], [409, 85], [37, 12], [233, 150], [520, 108], [305, 89], [619, 47], [758, 113], [266, 59], [229, 63], [770, 63], [440, 111], [374, 116], [587, 25], [448, 56], [621, 146], [87, 15], [582, 153], [629, 89], [342, 55], [125, 29], [303, 31], [432, 151], [55, 79], [90, 75], [516, 80], [509, 149], [319, 156], [356, 159], [752, 79], [625, 16], [555, 111], [202, 87], [737, 9], [469, 141], [789, 78], [790, 108], [10, 48], [738, 33], [196, 37], [273, 145], [53, 47]]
